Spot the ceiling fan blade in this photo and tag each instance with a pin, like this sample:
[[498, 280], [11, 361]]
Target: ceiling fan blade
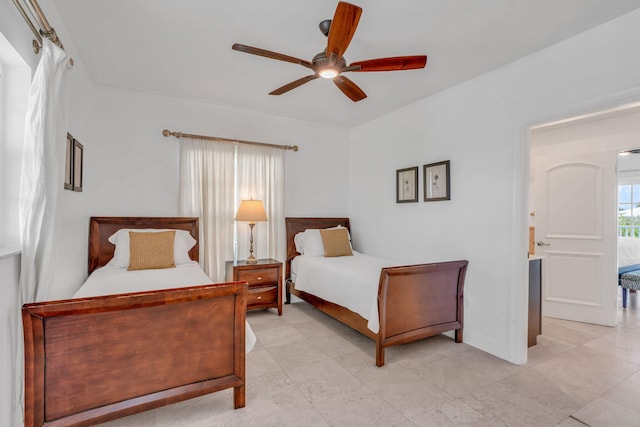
[[391, 64], [349, 88], [270, 54], [294, 84], [343, 27]]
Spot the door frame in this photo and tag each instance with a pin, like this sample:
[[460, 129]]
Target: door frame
[[620, 104]]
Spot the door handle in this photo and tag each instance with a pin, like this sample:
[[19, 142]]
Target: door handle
[[541, 243]]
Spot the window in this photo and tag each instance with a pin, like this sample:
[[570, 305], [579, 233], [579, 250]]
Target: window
[[214, 178], [15, 79], [629, 210]]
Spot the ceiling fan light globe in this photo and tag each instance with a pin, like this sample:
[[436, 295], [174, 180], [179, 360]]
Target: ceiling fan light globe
[[328, 73]]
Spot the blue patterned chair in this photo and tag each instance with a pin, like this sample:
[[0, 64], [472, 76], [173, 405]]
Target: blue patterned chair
[[628, 279]]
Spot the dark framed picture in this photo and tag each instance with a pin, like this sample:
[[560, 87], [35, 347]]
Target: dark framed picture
[[77, 165], [407, 185], [436, 181], [73, 164], [68, 163]]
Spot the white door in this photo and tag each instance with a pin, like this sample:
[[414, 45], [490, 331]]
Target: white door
[[575, 204]]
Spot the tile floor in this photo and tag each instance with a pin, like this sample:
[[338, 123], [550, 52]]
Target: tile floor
[[309, 370]]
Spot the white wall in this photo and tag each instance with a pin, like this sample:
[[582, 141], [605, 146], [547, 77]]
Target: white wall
[[482, 126]]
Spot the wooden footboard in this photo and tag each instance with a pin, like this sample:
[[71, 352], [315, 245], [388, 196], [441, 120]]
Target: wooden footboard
[[419, 301], [95, 359], [414, 302]]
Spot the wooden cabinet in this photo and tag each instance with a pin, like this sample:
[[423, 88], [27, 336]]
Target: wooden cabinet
[[265, 282], [535, 300]]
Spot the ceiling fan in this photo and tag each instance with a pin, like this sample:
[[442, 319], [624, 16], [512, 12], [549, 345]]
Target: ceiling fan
[[330, 63]]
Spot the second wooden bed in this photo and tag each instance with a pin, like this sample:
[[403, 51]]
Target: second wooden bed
[[414, 302]]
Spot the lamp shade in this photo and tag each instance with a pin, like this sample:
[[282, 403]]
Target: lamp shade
[[251, 211]]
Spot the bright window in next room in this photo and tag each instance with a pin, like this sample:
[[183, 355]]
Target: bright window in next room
[[629, 210], [15, 79]]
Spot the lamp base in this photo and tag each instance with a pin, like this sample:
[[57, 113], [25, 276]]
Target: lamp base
[[251, 259]]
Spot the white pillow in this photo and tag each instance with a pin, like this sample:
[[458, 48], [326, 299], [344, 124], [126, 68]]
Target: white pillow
[[182, 243], [312, 241], [298, 241]]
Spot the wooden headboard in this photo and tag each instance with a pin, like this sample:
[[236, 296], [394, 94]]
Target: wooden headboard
[[101, 228], [296, 225]]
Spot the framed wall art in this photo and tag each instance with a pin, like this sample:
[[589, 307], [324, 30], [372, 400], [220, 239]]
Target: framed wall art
[[407, 185], [68, 166], [77, 165], [437, 184], [73, 164]]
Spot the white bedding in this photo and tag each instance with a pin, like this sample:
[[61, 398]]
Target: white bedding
[[349, 281], [112, 280]]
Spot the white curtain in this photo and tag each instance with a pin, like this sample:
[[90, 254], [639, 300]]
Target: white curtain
[[214, 177], [207, 191], [260, 176], [42, 181]]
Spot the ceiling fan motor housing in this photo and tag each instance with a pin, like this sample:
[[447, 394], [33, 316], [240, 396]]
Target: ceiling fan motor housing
[[321, 61]]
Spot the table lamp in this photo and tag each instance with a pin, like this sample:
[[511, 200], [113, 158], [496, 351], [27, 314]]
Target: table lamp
[[251, 211]]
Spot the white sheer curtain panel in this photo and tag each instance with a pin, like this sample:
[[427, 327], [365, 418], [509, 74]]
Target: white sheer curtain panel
[[261, 177], [42, 181], [207, 191], [43, 172]]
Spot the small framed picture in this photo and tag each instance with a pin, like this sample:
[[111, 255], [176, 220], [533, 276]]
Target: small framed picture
[[77, 165], [407, 185], [436, 181], [68, 164]]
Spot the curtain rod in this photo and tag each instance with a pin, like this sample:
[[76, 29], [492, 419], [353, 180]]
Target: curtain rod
[[44, 29], [179, 135]]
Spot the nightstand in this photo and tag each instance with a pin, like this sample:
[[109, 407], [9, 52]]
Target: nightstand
[[265, 282]]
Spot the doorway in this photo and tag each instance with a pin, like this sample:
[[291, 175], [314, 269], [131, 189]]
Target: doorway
[[573, 201]]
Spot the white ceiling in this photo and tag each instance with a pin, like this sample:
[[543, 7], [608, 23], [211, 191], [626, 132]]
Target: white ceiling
[[182, 48]]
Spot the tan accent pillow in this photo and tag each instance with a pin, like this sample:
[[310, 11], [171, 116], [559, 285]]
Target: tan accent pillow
[[336, 242], [151, 250]]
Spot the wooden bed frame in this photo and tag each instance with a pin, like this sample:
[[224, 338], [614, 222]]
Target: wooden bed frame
[[414, 302], [90, 360]]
